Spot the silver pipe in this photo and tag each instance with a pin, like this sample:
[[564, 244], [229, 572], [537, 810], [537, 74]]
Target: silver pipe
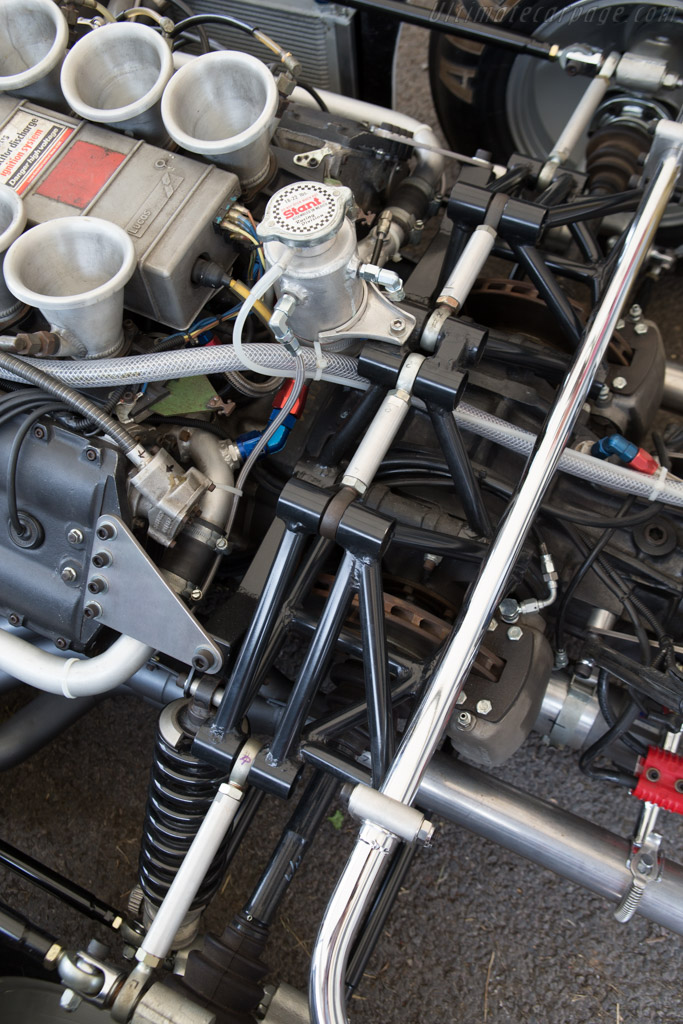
[[549, 836], [367, 863], [673, 387]]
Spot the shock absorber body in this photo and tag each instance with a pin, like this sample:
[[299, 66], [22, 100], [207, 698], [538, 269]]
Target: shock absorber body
[[181, 790]]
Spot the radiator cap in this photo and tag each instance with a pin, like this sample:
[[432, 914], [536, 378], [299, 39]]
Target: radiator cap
[[305, 213]]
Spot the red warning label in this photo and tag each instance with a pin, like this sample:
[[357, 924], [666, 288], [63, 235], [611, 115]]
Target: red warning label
[[27, 144], [80, 174]]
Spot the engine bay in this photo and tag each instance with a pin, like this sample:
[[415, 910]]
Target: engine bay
[[354, 462]]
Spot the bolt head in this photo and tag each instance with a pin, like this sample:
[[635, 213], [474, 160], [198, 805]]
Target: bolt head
[[397, 325], [619, 326], [426, 833], [196, 594], [464, 720], [635, 312], [462, 698], [68, 574], [484, 707], [509, 609], [70, 1000], [92, 610], [640, 328], [619, 383], [75, 536], [515, 633], [221, 544]]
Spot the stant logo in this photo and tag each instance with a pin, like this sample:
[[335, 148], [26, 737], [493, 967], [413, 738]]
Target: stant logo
[[294, 211]]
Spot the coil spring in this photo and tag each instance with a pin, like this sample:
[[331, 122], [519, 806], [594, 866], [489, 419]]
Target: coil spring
[[613, 157], [181, 789]]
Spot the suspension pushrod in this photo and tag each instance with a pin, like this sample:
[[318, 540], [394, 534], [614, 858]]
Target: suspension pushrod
[[58, 885], [368, 860]]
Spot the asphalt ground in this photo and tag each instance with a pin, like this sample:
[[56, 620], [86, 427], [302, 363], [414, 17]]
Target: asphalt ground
[[477, 935]]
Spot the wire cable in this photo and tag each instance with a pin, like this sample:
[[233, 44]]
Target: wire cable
[[125, 441]]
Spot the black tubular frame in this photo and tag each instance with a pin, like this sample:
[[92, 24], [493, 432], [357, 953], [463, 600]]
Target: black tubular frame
[[488, 34]]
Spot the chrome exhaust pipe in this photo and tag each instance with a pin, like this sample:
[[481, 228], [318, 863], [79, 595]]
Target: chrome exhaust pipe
[[223, 105], [73, 270], [12, 223], [116, 76], [33, 40]]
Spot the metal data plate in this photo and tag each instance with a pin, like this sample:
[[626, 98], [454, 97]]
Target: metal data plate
[[129, 594]]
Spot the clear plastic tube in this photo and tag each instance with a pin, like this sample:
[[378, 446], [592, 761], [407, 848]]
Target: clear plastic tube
[[603, 474], [271, 359], [257, 292]]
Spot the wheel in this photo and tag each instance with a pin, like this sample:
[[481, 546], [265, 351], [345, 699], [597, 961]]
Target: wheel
[[489, 98]]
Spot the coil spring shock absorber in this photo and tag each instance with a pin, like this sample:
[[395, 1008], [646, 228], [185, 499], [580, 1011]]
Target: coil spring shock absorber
[[614, 150], [180, 791]]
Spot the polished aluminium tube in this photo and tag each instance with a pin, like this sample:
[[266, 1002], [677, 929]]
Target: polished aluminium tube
[[369, 858], [550, 836]]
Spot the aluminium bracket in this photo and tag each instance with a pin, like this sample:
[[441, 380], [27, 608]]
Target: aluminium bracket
[[151, 612]]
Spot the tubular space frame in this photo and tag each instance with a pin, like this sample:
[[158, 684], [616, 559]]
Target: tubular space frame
[[368, 860]]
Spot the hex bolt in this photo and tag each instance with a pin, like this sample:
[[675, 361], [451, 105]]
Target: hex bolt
[[640, 328], [464, 720], [635, 312], [70, 1000], [101, 559], [69, 574], [484, 707], [462, 697], [509, 609], [619, 383], [92, 610], [515, 633], [619, 326], [425, 833], [75, 536], [397, 325]]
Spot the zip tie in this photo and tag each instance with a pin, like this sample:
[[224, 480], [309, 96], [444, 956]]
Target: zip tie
[[230, 489], [65, 681], [321, 362], [658, 479]]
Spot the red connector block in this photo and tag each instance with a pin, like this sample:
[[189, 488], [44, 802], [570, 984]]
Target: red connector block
[[661, 780], [284, 393], [644, 462]]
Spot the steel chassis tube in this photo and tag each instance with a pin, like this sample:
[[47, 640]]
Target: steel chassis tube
[[550, 836], [368, 860]]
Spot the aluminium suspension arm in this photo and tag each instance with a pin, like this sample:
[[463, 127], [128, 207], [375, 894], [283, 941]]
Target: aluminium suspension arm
[[351, 899]]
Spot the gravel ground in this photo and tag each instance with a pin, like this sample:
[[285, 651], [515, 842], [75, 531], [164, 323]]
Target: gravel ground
[[477, 936]]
